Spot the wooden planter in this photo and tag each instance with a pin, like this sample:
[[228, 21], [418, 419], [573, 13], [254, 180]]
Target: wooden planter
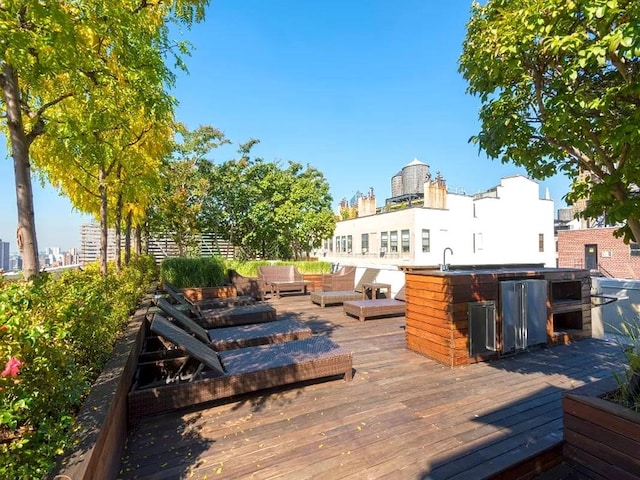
[[601, 438], [316, 279], [207, 293]]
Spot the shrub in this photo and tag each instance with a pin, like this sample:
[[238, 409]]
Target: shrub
[[55, 336], [193, 272], [250, 268]]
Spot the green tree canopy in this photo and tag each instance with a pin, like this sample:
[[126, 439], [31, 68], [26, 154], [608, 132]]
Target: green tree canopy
[[93, 53], [176, 208], [267, 209], [559, 82]]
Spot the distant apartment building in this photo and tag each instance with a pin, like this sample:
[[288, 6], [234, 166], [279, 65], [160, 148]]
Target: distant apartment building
[[598, 250], [90, 243], [508, 224], [5, 264]]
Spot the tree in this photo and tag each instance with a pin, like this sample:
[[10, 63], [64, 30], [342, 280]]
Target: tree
[[176, 210], [558, 82], [54, 51], [268, 210]]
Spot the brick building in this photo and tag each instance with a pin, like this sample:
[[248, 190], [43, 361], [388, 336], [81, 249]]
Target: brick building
[[598, 250]]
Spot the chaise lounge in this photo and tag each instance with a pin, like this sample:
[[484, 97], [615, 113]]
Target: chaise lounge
[[207, 375], [379, 307], [226, 316], [200, 305], [338, 297], [239, 336]]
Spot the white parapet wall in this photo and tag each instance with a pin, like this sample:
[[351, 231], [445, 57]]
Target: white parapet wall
[[607, 319]]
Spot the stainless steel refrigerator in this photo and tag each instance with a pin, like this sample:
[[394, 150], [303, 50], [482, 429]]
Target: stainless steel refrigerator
[[523, 306]]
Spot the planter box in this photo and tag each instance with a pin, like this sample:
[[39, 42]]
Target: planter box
[[601, 438], [315, 279], [208, 293]]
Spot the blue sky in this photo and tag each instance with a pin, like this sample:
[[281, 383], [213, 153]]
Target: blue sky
[[356, 89]]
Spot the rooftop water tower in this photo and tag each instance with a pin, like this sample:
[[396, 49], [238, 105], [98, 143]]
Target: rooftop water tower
[[414, 176]]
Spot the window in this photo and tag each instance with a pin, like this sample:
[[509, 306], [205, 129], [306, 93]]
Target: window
[[404, 235], [384, 241], [541, 242], [338, 250], [349, 243], [634, 249], [426, 241], [364, 242], [394, 241], [344, 243]]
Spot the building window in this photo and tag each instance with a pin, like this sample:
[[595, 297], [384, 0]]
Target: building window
[[349, 243], [364, 242], [394, 241], [404, 234], [634, 249], [338, 250], [384, 241], [426, 241], [541, 242], [344, 243]]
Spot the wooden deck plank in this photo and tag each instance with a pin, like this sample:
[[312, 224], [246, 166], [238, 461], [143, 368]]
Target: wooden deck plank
[[402, 416]]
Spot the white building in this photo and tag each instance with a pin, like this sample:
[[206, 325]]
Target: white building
[[90, 243], [508, 224]]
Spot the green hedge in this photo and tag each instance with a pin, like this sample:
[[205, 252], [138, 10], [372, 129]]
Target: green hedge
[[193, 272], [250, 268], [55, 337]]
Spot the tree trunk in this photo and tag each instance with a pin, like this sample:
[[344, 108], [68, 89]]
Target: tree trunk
[[138, 242], [118, 226], [127, 238], [26, 234], [103, 221]]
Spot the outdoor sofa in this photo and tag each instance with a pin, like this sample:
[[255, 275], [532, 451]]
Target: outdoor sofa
[[378, 307], [276, 279], [324, 298], [239, 336], [206, 375]]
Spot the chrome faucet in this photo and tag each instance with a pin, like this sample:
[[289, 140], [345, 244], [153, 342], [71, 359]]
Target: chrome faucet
[[445, 266]]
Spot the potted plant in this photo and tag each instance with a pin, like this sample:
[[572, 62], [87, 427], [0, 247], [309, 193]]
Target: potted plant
[[602, 419], [199, 278]]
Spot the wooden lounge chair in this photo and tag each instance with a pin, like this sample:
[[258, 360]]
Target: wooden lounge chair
[[380, 307], [338, 297], [240, 335], [228, 316], [209, 375]]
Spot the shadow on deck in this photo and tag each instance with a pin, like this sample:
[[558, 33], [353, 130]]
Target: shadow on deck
[[402, 416]]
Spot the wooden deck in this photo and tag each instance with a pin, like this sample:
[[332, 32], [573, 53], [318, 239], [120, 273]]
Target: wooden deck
[[403, 415]]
